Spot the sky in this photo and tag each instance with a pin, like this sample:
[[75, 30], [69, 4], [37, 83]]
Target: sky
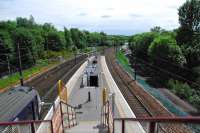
[[124, 17]]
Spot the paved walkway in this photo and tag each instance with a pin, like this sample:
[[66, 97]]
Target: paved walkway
[[88, 110]]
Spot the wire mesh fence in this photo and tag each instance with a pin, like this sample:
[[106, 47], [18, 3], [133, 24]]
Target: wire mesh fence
[[26, 127]]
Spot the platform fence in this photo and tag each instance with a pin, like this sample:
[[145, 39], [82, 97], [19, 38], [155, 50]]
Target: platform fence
[[107, 117], [64, 117], [159, 124], [26, 127]]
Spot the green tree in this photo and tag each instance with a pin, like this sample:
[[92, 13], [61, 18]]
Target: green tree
[[6, 50], [48, 27], [68, 38], [94, 39], [8, 25], [157, 29], [24, 22], [78, 38], [27, 45], [39, 42], [54, 41], [162, 49], [189, 31], [165, 47], [103, 39], [139, 44]]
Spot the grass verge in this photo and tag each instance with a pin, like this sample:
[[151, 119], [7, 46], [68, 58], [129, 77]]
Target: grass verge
[[13, 79]]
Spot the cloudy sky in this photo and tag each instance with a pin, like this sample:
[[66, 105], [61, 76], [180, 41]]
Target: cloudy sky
[[111, 16]]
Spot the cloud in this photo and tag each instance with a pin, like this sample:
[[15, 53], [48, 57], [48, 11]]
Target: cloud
[[173, 7], [142, 14], [135, 15], [105, 16], [110, 9], [82, 14]]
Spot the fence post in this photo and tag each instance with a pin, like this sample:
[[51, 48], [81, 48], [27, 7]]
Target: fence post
[[75, 117], [62, 117], [105, 116], [32, 128], [113, 125], [123, 126], [68, 116], [72, 116], [52, 127], [108, 117], [152, 127]]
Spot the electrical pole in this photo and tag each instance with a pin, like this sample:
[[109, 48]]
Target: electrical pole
[[8, 64], [75, 58], [20, 65]]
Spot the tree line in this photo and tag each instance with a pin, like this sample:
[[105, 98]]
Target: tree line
[[38, 41], [172, 57]]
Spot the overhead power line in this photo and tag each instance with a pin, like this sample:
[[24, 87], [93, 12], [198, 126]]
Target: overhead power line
[[161, 59]]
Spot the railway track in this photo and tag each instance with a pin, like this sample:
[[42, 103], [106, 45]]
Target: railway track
[[141, 103], [46, 83]]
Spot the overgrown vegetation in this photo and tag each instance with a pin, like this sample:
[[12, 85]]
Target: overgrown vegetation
[[43, 42], [14, 78], [184, 91], [122, 58], [172, 58]]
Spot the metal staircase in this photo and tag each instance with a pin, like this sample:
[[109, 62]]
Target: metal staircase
[[68, 115]]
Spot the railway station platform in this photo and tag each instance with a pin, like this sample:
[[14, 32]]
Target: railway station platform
[[91, 102], [87, 98]]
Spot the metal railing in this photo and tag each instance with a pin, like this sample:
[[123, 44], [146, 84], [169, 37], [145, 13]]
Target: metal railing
[[107, 117], [68, 115], [169, 124], [64, 116]]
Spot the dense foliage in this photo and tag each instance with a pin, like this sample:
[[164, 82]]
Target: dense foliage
[[172, 58], [188, 34], [41, 41]]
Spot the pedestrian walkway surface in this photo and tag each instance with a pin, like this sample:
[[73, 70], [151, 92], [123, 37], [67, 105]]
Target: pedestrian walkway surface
[[84, 127], [88, 103], [87, 99]]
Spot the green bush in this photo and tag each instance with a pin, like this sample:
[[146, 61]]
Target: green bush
[[183, 90], [139, 44], [195, 100], [165, 47]]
